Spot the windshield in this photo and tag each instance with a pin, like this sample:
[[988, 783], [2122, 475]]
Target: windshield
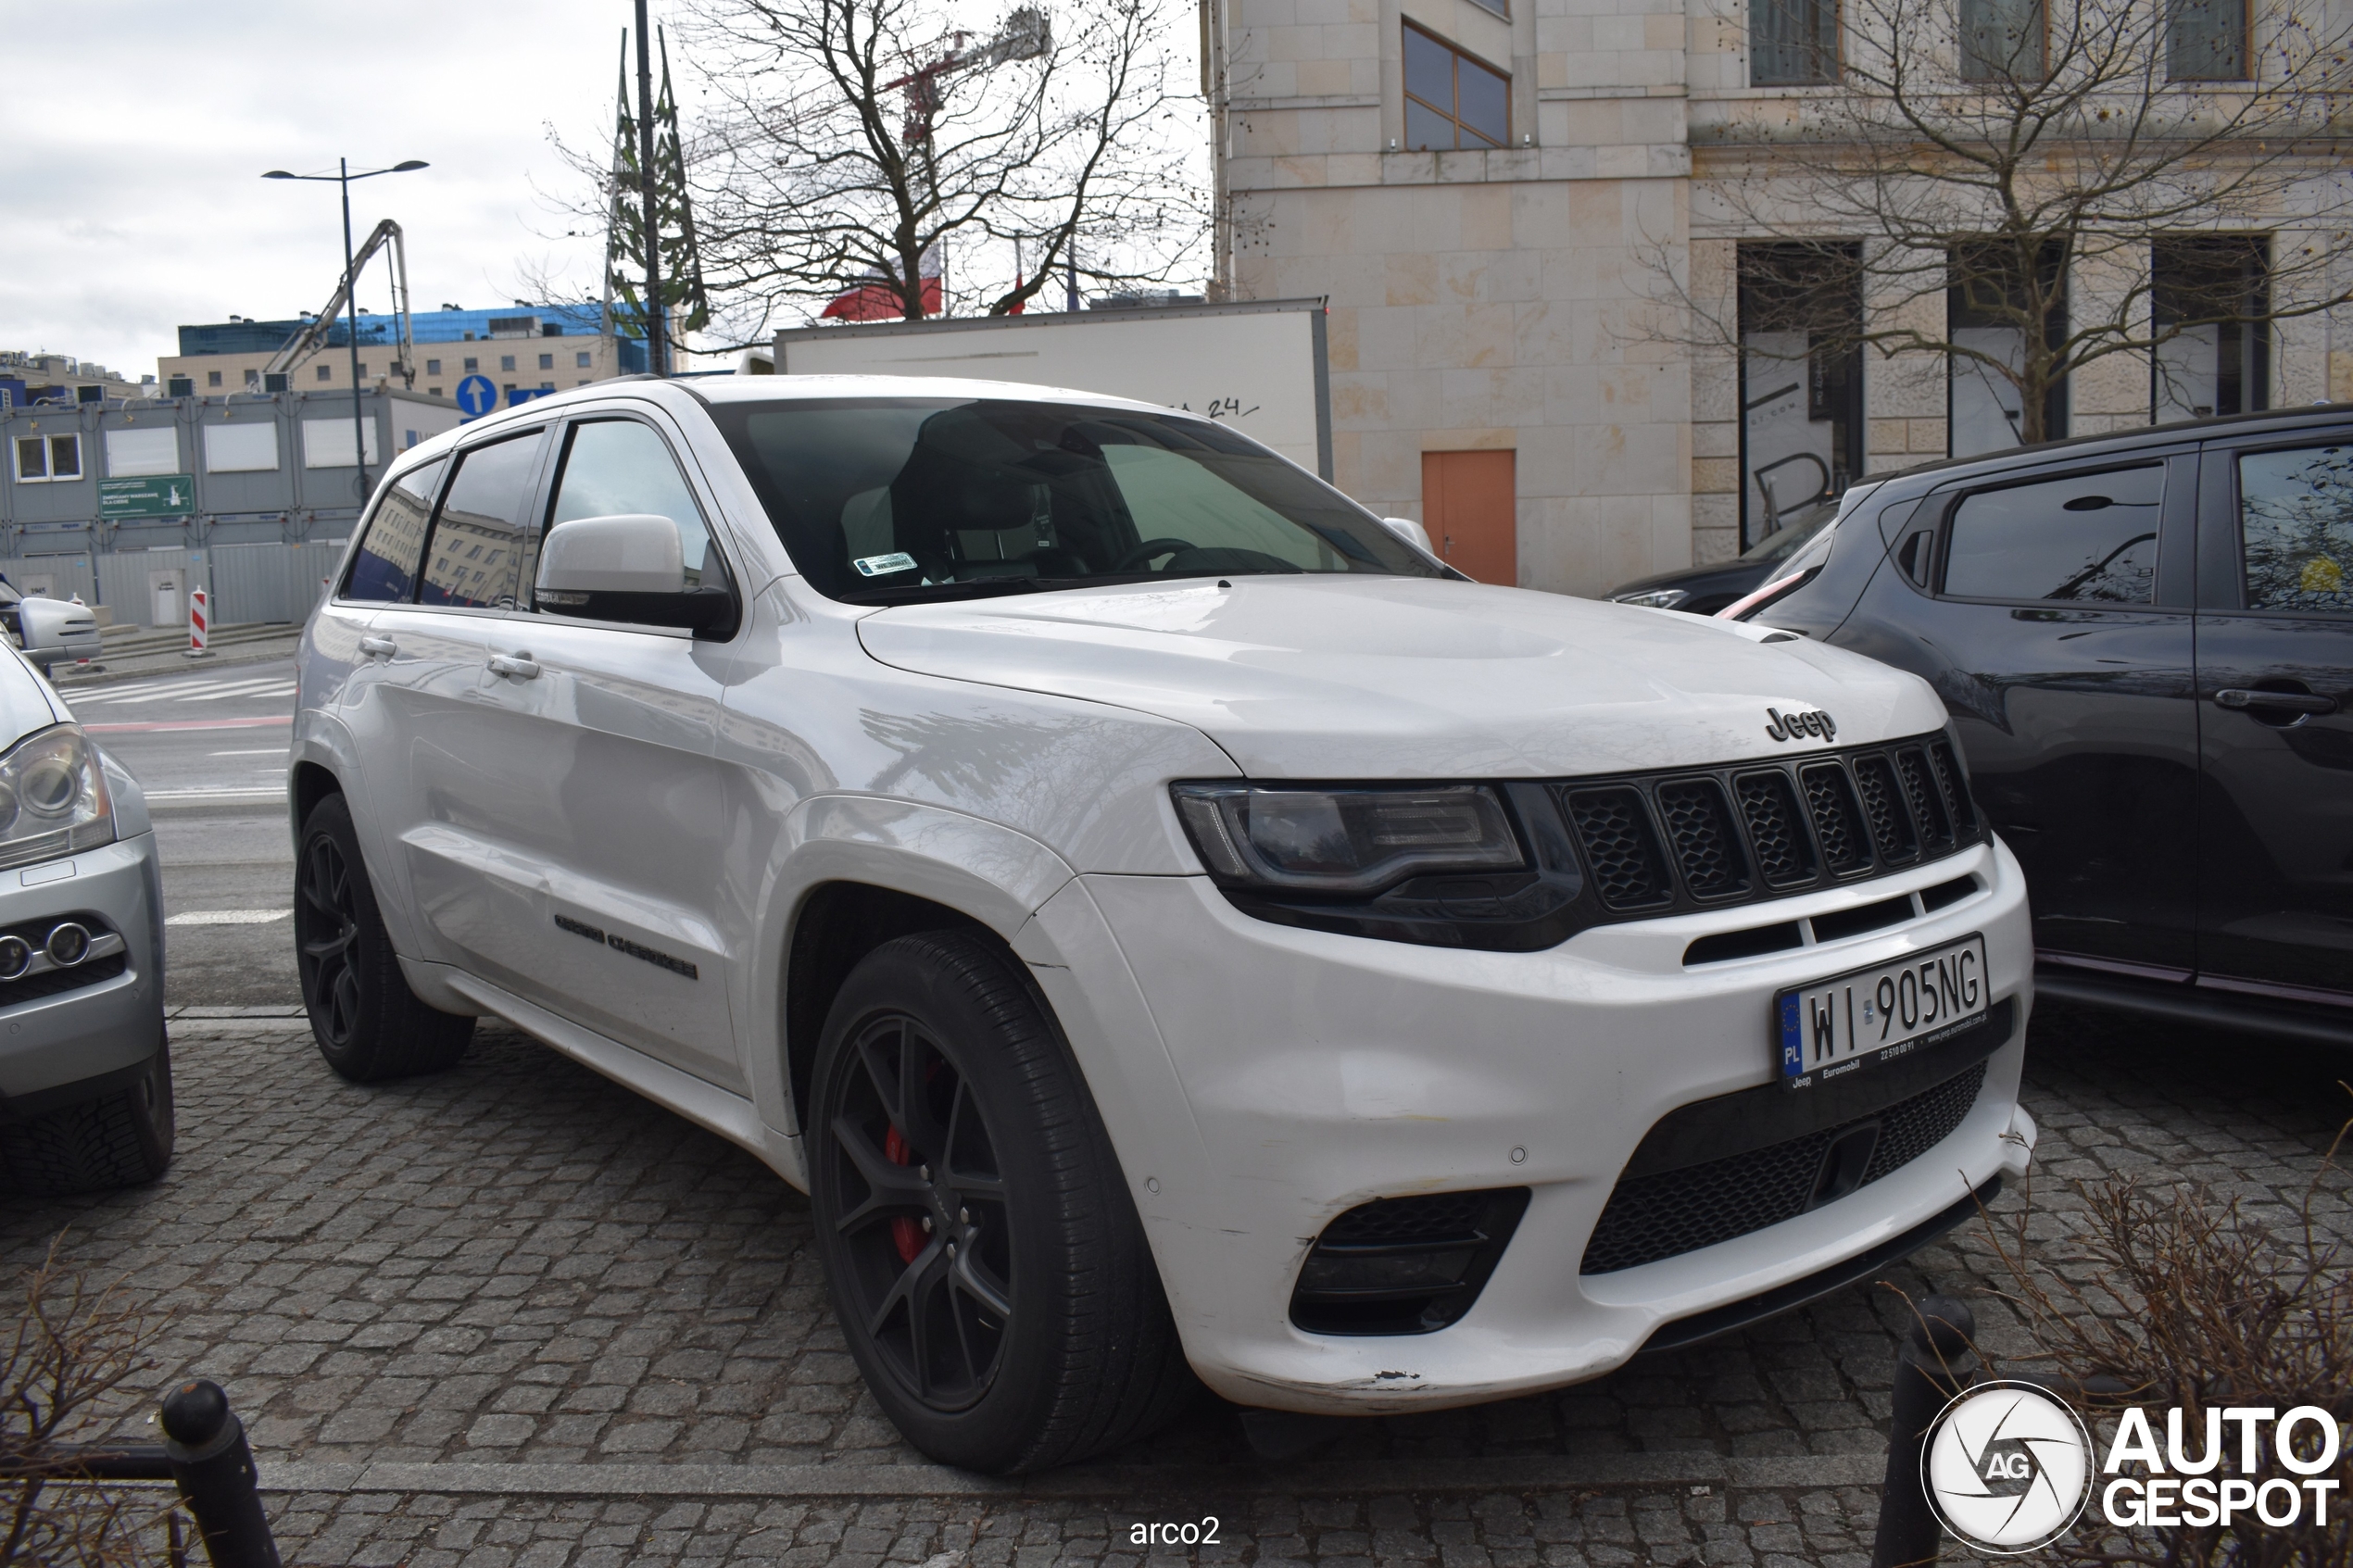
[[1791, 536], [893, 500]]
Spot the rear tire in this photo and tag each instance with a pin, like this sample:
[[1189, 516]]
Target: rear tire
[[983, 1253], [368, 1024], [121, 1139]]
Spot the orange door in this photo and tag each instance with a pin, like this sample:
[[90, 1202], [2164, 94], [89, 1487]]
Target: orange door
[[1467, 506]]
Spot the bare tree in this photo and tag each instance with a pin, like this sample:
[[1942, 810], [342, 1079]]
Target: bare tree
[[2029, 187], [854, 144]]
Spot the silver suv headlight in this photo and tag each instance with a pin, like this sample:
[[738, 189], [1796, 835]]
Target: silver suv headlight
[[1657, 598], [1343, 841], [53, 797]]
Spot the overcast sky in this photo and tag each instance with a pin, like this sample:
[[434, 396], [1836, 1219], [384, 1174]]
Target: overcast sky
[[137, 132]]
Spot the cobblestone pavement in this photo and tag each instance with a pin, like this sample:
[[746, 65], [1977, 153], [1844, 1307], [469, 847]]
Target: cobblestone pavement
[[519, 1265]]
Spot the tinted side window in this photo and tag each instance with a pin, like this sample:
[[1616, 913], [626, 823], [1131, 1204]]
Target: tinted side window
[[2296, 526], [384, 570], [2087, 537], [477, 537], [614, 468]]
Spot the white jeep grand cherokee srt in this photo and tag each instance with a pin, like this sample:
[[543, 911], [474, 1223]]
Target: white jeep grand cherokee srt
[[1163, 917]]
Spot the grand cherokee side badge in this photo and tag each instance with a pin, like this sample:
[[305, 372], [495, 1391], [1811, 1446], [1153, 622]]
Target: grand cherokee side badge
[[1788, 726]]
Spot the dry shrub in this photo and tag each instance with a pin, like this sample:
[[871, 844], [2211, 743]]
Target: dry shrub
[[75, 1344], [2168, 1295]]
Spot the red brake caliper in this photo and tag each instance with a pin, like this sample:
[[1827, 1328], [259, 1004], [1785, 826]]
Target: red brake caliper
[[906, 1233]]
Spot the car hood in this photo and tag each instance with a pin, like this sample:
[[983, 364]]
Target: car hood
[[1401, 677]]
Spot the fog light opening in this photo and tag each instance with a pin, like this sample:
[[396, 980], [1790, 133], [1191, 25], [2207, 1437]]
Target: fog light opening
[[1406, 1265], [69, 944]]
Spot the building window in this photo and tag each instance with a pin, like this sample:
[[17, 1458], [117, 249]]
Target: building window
[[581, 359], [2207, 298], [433, 392], [47, 459], [506, 361], [547, 361], [1451, 99], [2205, 41], [1801, 380], [2003, 40], [326, 372], [212, 378], [433, 367], [1792, 43], [1988, 308], [363, 371], [472, 365]]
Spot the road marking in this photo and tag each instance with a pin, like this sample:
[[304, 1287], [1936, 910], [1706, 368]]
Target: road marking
[[227, 917], [206, 693], [161, 725], [249, 793]]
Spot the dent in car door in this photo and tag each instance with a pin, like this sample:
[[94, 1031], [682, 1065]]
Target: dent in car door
[[418, 724], [606, 799], [2275, 689], [2046, 615]]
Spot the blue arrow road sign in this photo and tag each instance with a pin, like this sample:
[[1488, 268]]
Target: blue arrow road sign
[[476, 396]]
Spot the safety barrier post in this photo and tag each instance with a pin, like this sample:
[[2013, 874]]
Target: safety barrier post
[[1933, 1366], [199, 620], [213, 1466]]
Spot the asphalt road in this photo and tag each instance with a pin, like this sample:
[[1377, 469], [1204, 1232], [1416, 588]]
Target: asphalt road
[[210, 747]]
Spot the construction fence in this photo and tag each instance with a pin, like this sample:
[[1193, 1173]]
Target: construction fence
[[247, 582]]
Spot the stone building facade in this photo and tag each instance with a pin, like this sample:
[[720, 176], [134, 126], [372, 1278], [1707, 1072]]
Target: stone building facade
[[1528, 292]]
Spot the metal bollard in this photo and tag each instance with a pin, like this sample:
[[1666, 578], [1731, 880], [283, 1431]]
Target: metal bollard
[[1933, 1366], [213, 1465]]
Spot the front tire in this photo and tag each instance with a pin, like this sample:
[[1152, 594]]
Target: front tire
[[368, 1024], [121, 1139], [985, 1259]]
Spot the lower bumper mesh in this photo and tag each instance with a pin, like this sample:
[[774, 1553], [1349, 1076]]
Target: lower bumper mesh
[[1664, 1215]]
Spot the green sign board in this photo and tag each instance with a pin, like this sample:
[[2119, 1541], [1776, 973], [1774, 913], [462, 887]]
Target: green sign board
[[161, 495]]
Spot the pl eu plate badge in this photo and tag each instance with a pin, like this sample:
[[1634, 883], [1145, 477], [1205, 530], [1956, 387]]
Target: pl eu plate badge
[[1792, 1037]]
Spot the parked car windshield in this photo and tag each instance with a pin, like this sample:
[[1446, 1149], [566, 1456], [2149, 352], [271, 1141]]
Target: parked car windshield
[[896, 500]]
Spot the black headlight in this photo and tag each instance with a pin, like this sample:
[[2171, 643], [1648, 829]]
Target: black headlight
[[1343, 841]]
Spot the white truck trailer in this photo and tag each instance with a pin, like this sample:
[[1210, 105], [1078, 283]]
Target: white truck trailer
[[1258, 365]]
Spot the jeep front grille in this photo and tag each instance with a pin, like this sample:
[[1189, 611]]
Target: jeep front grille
[[1660, 844]]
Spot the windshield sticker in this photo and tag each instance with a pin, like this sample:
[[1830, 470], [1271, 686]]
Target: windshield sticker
[[882, 566]]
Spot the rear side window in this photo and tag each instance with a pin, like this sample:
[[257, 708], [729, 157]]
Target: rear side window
[[2086, 538], [477, 537], [2295, 528], [384, 570], [615, 468]]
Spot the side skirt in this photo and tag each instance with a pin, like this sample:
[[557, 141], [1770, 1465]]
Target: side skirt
[[733, 1117]]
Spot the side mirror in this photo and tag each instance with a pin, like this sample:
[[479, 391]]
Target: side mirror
[[627, 568], [53, 630], [1413, 532]]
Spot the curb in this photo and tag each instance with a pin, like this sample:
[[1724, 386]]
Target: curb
[[228, 658], [1330, 1477]]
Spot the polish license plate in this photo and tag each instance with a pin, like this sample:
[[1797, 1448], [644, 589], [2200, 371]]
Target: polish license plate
[[1858, 1020]]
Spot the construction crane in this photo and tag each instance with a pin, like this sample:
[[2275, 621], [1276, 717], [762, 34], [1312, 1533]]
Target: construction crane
[[314, 334], [1025, 36]]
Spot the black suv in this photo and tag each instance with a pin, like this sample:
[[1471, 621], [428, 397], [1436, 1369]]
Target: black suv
[[2147, 642]]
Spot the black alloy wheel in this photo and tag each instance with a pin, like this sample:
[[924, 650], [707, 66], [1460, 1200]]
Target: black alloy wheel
[[326, 929], [368, 1023], [924, 1226], [985, 1263]]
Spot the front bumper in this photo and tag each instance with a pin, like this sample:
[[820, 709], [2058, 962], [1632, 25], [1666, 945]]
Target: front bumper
[[1321, 1072], [55, 1045]]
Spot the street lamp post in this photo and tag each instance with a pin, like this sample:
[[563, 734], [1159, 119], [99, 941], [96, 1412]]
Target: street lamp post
[[343, 177]]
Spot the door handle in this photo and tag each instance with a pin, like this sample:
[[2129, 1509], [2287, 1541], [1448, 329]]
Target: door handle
[[371, 646], [519, 665], [2291, 702]]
